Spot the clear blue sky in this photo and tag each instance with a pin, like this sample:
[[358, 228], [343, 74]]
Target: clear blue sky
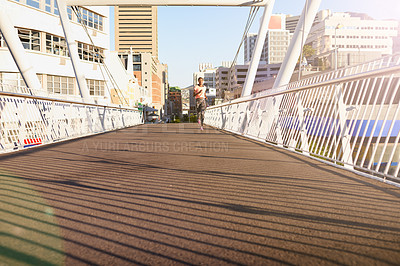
[[188, 36]]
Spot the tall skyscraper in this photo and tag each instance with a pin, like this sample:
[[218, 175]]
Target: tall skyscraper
[[136, 27]]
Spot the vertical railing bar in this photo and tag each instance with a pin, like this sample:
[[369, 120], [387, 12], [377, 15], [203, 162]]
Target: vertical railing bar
[[329, 113], [275, 120], [269, 120], [287, 117], [347, 128], [278, 126], [320, 116], [326, 139], [396, 142], [300, 113], [334, 128], [268, 106], [382, 128], [296, 129], [364, 136], [397, 170], [341, 90], [294, 120], [253, 120], [377, 118], [315, 108], [310, 124], [356, 137]]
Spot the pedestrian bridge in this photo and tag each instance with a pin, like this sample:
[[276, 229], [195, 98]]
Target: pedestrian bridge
[[171, 194], [304, 174]]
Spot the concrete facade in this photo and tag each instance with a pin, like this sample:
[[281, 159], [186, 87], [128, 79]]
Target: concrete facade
[[38, 26], [231, 82], [358, 38], [276, 42]]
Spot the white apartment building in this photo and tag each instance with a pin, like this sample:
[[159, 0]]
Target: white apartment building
[[357, 38], [39, 29], [274, 50], [276, 42], [276, 46]]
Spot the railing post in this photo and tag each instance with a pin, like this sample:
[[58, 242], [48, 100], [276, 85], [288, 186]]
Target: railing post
[[344, 136], [303, 129]]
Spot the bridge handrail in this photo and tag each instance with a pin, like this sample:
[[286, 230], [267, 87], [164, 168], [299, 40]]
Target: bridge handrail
[[283, 90], [349, 118], [35, 97], [28, 121]]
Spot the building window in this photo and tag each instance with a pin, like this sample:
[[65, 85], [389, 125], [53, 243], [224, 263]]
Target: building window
[[60, 85], [55, 8], [91, 19], [69, 11], [96, 87], [90, 53], [137, 58], [137, 67], [33, 3], [47, 5], [30, 39], [12, 79], [56, 45]]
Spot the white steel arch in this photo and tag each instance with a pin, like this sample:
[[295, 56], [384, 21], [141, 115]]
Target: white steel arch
[[167, 2]]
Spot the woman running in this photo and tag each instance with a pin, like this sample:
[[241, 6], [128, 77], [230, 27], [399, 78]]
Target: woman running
[[200, 94]]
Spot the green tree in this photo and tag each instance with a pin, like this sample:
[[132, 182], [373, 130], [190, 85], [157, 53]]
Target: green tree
[[308, 51]]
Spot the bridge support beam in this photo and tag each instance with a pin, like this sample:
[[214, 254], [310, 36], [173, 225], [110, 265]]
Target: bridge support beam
[[16, 49], [73, 51], [255, 60], [166, 2], [296, 44]]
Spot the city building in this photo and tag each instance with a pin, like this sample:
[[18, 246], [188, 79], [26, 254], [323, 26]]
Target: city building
[[42, 36], [188, 101], [396, 42], [291, 23], [276, 42], [207, 72], [136, 27], [229, 84], [152, 78], [175, 101], [357, 38], [248, 48], [136, 30]]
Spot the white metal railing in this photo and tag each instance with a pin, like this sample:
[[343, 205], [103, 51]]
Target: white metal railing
[[31, 120], [5, 87], [349, 117]]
